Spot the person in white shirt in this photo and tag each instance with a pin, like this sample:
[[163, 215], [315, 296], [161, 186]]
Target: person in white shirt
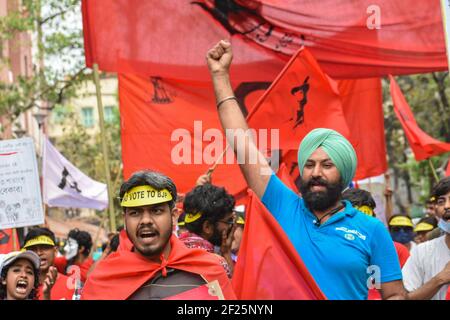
[[426, 274]]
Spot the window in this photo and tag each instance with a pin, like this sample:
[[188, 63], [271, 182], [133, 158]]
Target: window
[[109, 114], [87, 117]]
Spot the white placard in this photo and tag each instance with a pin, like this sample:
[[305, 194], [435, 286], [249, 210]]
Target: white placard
[[20, 192]]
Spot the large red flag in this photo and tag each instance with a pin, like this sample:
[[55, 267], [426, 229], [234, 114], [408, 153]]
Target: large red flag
[[172, 126], [300, 99], [350, 38], [422, 145], [362, 102], [7, 241], [447, 172], [267, 251]]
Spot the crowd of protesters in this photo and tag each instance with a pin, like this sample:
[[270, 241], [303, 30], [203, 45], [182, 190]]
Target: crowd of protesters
[[170, 248]]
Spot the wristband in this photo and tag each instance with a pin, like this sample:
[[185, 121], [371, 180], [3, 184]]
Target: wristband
[[225, 99]]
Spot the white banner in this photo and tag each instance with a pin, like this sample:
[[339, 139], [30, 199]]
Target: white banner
[[20, 192], [66, 186]]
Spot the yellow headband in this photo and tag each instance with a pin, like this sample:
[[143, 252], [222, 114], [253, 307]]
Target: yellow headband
[[39, 240], [401, 222], [240, 220], [191, 217], [145, 195], [423, 226], [367, 210]]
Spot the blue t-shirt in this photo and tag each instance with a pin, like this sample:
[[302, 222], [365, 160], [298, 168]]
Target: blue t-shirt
[[337, 253]]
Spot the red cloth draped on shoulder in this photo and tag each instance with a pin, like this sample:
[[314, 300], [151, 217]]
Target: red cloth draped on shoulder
[[125, 271]]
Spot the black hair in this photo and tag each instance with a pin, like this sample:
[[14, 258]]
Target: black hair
[[442, 187], [430, 220], [33, 293], [37, 231], [83, 239], [154, 179], [114, 243], [213, 202], [359, 197], [181, 217]]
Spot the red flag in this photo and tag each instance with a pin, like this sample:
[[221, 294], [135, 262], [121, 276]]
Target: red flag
[[350, 39], [422, 145], [7, 242], [300, 99], [172, 126], [267, 251], [284, 175], [140, 35], [362, 102]]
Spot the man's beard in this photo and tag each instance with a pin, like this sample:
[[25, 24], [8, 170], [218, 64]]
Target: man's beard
[[155, 252], [320, 200], [216, 238]]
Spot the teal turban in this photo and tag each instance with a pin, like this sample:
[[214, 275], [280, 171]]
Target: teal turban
[[335, 145]]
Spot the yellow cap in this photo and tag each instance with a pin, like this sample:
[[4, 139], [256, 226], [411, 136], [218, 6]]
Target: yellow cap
[[401, 221], [191, 217], [240, 220], [145, 195], [39, 240], [423, 226], [366, 209]]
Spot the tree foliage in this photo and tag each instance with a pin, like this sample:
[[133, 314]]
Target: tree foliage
[[427, 95], [58, 65]]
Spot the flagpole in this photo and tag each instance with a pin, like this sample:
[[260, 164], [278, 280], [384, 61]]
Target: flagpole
[[112, 219], [211, 170], [433, 170], [103, 221], [14, 235]]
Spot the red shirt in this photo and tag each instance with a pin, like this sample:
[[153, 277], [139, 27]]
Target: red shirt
[[403, 255], [60, 290], [61, 264]]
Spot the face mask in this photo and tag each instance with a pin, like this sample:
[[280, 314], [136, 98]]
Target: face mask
[[444, 225], [70, 249], [402, 236]]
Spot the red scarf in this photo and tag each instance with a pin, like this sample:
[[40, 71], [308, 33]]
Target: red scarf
[[123, 272]]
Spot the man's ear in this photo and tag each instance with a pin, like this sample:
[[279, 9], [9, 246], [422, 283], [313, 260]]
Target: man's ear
[[207, 228], [174, 214]]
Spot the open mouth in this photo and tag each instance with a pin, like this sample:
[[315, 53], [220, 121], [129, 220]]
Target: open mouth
[[446, 215], [147, 236], [21, 286]]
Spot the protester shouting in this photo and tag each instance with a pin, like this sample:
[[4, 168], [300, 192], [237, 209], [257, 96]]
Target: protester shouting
[[151, 262], [19, 277], [42, 242]]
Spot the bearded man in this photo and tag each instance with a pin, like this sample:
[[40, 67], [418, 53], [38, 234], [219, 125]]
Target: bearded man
[[341, 246]]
